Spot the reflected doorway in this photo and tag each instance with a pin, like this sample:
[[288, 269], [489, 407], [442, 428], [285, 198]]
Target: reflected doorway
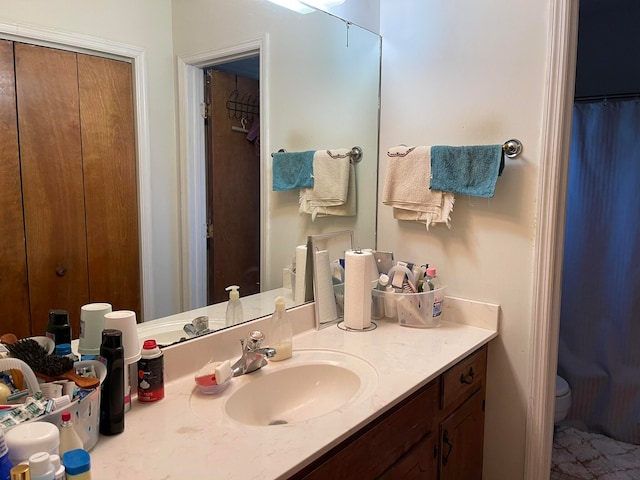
[[233, 171]]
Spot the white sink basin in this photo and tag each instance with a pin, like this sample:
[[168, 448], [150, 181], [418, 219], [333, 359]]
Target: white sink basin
[[309, 385], [167, 332], [313, 384]]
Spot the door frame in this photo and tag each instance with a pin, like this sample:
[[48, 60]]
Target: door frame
[[549, 240], [191, 140], [80, 43]]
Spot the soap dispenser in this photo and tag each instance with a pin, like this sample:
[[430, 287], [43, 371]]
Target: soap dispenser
[[282, 332], [234, 307]]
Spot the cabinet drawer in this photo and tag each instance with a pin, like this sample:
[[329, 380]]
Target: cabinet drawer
[[463, 379]]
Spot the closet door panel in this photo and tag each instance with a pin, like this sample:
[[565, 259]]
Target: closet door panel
[[51, 157], [108, 145], [13, 260]]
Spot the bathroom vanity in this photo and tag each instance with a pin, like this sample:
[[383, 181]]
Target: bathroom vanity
[[435, 433], [418, 411]]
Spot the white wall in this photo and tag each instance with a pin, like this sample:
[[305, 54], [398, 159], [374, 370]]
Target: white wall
[[145, 24], [464, 73]]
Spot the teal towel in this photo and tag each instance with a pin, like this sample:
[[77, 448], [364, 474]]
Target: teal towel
[[292, 170], [470, 170]]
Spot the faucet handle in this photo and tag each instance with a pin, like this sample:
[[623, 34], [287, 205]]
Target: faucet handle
[[255, 339]]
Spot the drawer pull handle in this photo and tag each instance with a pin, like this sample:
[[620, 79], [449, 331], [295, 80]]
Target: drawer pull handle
[[445, 440], [61, 271], [467, 379]]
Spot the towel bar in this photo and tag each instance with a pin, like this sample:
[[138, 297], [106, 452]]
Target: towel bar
[[512, 148], [355, 154]]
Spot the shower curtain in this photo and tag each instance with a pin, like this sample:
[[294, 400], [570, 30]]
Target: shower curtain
[[599, 350]]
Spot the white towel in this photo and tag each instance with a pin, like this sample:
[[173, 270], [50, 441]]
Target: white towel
[[348, 208], [406, 188], [331, 178]]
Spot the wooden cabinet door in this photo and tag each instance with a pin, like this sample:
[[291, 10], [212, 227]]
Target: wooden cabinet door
[[461, 441], [13, 260], [52, 183], [110, 186]]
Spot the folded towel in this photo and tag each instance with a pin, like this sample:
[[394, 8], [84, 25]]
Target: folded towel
[[406, 188], [292, 170], [471, 170], [348, 208], [330, 181]]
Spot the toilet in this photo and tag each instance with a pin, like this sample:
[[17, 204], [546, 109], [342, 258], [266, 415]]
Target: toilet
[[563, 399]]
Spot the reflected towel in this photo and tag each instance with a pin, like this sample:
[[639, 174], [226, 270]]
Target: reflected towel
[[292, 170], [331, 176], [406, 188], [470, 170], [348, 208]]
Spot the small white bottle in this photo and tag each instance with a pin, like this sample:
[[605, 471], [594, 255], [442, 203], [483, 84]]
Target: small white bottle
[[234, 314], [434, 285], [69, 438], [282, 332], [40, 467]]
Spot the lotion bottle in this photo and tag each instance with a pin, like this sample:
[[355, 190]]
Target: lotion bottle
[[69, 438], [234, 314], [282, 334]]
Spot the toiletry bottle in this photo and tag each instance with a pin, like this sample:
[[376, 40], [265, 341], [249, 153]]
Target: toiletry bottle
[[69, 439], [5, 463], [282, 332], [40, 467], [150, 373], [60, 473], [234, 314], [112, 394], [20, 472], [77, 464], [433, 283], [58, 328]]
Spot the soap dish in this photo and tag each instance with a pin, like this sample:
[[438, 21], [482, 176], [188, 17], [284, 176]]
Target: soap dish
[[207, 378], [213, 389]]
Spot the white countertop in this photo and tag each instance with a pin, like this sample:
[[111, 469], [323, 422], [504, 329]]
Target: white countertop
[[169, 439]]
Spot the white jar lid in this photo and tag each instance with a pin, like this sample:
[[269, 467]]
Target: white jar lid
[[28, 438]]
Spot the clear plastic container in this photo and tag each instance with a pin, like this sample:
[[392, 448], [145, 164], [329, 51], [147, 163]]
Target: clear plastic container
[[412, 309]]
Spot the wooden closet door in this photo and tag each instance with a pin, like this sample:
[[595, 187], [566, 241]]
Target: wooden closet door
[[13, 261], [108, 147], [51, 158]]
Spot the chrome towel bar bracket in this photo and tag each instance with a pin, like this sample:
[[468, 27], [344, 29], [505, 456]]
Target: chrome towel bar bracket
[[512, 148]]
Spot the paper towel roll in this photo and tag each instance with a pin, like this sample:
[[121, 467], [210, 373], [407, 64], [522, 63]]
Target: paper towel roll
[[357, 289], [374, 265], [325, 298], [301, 267]]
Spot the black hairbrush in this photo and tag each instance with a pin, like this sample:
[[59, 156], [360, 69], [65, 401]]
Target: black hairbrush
[[48, 367]]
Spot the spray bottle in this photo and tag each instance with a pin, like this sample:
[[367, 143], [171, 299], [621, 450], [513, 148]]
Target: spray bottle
[[234, 314]]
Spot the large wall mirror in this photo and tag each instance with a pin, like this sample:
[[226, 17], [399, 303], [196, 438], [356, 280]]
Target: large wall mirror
[[317, 87]]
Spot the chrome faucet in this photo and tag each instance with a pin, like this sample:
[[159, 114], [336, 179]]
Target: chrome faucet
[[254, 356], [198, 326]]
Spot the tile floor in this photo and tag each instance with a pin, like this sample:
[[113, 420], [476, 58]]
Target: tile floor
[[580, 455]]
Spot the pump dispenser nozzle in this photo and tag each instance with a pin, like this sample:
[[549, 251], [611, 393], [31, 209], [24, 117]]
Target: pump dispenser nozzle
[[234, 294]]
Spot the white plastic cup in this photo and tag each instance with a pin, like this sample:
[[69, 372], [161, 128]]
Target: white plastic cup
[[125, 321], [91, 326]]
